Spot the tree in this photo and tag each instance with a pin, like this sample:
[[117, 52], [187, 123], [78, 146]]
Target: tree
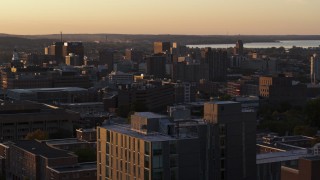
[[225, 97], [38, 134], [61, 134], [312, 113], [305, 130], [86, 155]]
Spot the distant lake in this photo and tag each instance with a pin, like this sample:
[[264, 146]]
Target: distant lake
[[286, 44]]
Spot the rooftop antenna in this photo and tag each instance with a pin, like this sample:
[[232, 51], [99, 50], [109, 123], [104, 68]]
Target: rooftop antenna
[[60, 36]]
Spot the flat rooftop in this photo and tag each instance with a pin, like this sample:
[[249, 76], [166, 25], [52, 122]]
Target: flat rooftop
[[86, 130], [81, 104], [41, 149], [79, 167], [222, 102], [61, 89], [126, 130], [281, 156], [63, 141], [312, 158], [150, 115]]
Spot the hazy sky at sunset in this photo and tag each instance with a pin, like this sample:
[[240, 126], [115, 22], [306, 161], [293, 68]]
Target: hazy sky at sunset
[[160, 16]]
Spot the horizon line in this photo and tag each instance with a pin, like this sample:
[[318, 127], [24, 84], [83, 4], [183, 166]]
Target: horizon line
[[138, 34]]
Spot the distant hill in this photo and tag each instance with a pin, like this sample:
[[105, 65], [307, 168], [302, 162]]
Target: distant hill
[[183, 39], [10, 42], [30, 42]]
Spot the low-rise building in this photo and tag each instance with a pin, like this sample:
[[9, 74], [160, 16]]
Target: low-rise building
[[31, 159], [18, 118]]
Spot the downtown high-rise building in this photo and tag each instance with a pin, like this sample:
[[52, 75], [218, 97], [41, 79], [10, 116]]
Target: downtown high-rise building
[[156, 66], [76, 48], [62, 49], [134, 55], [106, 57], [161, 47], [238, 49], [217, 64], [56, 50], [314, 68]]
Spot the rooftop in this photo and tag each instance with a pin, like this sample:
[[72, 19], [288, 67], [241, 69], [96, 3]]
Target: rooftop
[[79, 167], [41, 149], [150, 115], [86, 130], [281, 156], [67, 89], [223, 102], [63, 141], [312, 158], [81, 104], [125, 129]]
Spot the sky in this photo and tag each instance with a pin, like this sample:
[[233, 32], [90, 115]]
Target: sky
[[199, 17]]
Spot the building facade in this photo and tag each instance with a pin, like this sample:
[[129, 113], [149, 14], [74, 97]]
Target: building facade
[[232, 155]]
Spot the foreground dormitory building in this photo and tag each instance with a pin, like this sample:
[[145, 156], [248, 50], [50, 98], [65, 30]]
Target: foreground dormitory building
[[35, 160], [220, 146]]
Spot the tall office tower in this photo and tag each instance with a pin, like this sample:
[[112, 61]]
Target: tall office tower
[[238, 50], [106, 56], [76, 48], [315, 69], [232, 154], [134, 55], [73, 60], [217, 62], [175, 49], [156, 66], [15, 61], [145, 150], [161, 47], [56, 49]]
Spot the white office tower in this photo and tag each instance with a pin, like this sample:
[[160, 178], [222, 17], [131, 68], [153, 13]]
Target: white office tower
[[15, 56], [315, 69]]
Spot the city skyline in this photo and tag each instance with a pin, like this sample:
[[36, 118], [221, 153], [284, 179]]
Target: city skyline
[[204, 17]]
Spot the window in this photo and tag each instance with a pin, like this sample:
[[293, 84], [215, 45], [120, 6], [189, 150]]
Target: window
[[107, 172], [146, 161], [147, 148], [157, 148], [108, 136], [222, 164], [146, 174], [222, 175], [222, 141], [173, 174], [173, 147], [222, 130], [108, 148], [157, 175], [157, 162], [107, 160], [173, 162], [222, 153]]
